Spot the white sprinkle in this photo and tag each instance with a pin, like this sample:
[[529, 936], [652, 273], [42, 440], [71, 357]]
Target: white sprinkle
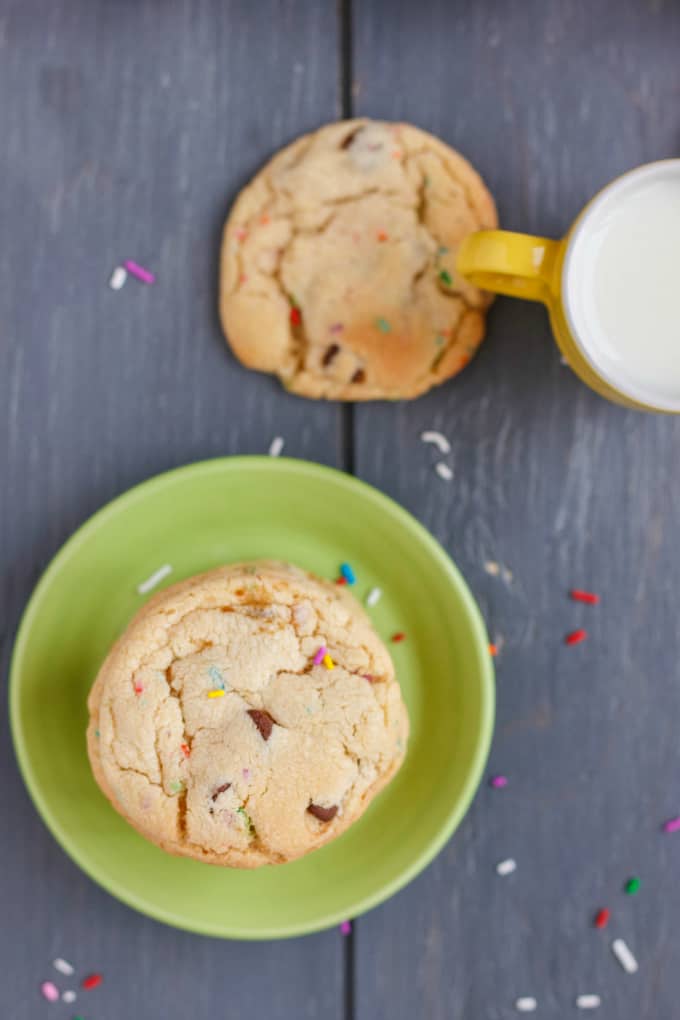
[[276, 446], [155, 579], [588, 1002], [63, 966], [374, 595], [527, 1004], [492, 568], [624, 956], [444, 471], [440, 441], [506, 867], [118, 278], [68, 996]]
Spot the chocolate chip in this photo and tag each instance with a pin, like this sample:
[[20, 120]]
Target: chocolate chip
[[348, 139], [263, 721], [330, 354], [359, 376], [324, 814], [220, 789]]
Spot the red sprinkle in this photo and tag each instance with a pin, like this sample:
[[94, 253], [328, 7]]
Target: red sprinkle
[[185, 749], [576, 637], [138, 689], [341, 580], [295, 316], [382, 236], [493, 650], [602, 918], [584, 596], [398, 637], [92, 981]]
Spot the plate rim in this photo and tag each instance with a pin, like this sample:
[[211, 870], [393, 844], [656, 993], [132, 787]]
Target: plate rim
[[238, 462]]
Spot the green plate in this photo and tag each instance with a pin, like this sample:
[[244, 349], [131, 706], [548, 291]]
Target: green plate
[[217, 512]]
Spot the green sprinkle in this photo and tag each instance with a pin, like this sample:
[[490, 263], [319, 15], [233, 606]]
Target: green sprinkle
[[439, 339], [176, 787], [247, 819], [97, 734], [442, 250], [446, 277], [383, 325], [426, 180], [632, 886]]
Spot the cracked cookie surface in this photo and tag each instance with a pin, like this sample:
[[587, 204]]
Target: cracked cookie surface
[[216, 736], [338, 263]]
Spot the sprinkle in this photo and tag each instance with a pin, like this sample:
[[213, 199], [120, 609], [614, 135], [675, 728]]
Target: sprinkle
[[265, 219], [493, 650], [576, 637], [216, 677], [118, 278], [584, 596], [176, 787], [442, 251], [346, 928], [337, 327], [498, 782], [348, 573], [527, 1004], [341, 580], [624, 956], [492, 568], [63, 966], [328, 662], [139, 689], [383, 325], [92, 981], [672, 825], [506, 867], [215, 694], [318, 658], [444, 471], [588, 1001], [374, 596], [49, 991], [185, 749], [439, 440], [276, 446], [632, 886], [241, 233], [295, 316], [445, 277], [155, 579], [602, 918], [139, 271], [68, 996], [399, 636]]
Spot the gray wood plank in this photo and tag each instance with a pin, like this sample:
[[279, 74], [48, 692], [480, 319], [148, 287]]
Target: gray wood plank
[[550, 100], [126, 130]]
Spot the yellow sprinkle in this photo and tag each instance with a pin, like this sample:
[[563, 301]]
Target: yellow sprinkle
[[328, 662], [215, 694]]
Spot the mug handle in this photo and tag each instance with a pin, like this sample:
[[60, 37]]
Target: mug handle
[[520, 265]]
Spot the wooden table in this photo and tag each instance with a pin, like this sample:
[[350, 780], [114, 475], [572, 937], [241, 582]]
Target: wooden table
[[126, 129]]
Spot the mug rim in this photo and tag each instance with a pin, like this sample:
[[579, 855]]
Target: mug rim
[[639, 395]]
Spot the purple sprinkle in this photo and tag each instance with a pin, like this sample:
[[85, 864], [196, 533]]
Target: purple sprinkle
[[337, 327], [318, 658], [346, 928], [246, 773], [498, 782], [672, 825]]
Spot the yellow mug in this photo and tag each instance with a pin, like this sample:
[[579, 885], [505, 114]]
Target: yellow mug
[[560, 273]]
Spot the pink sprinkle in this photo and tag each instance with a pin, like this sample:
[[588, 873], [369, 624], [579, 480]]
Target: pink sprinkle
[[246, 773], [241, 233], [139, 271], [672, 825], [368, 676], [498, 782], [346, 928], [337, 327], [49, 991], [318, 658]]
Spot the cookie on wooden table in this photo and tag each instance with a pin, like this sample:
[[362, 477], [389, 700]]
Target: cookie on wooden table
[[338, 263], [218, 733]]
